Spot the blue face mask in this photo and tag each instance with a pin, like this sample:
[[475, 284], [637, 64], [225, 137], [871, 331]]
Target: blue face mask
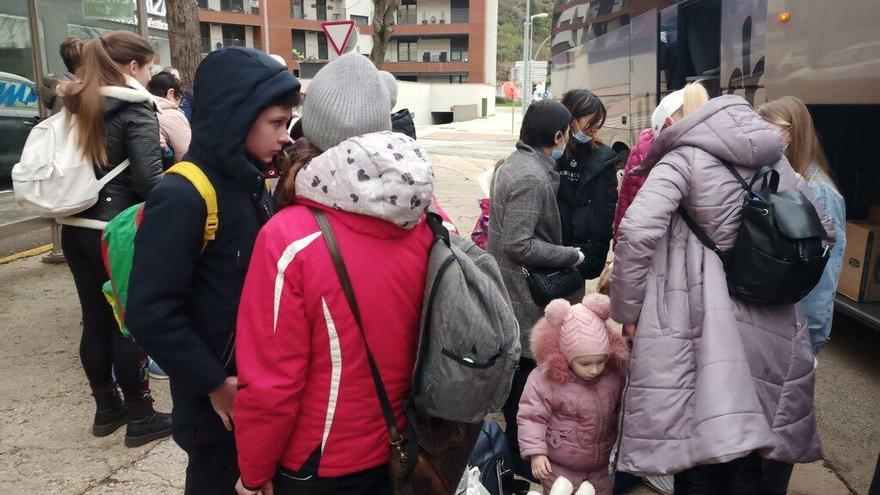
[[581, 137], [556, 154]]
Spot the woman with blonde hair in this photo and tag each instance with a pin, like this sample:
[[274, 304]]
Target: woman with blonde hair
[[716, 383], [117, 124], [681, 103], [789, 116]]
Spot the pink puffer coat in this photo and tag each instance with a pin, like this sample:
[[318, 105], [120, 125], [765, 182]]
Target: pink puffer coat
[[571, 421]]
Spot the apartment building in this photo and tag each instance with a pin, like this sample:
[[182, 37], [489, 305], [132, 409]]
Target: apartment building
[[452, 41]]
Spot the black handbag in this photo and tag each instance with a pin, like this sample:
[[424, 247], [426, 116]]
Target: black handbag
[[547, 284], [778, 256]]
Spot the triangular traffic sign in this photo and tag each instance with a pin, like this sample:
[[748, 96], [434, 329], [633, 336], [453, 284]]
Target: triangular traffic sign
[[338, 32]]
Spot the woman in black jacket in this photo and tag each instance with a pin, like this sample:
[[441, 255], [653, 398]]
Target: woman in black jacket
[[116, 120], [588, 183]]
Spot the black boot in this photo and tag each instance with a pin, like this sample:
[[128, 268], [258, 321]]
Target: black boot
[[146, 425], [110, 413]]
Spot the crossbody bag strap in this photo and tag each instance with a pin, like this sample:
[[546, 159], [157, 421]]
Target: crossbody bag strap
[[103, 181], [345, 281]]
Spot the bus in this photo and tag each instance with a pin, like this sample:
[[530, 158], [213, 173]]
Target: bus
[[631, 53]]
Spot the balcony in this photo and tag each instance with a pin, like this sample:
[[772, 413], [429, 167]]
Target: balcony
[[430, 57], [424, 17], [238, 6]]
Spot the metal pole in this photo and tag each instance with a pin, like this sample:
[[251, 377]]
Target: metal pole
[[525, 79], [143, 19], [56, 256]]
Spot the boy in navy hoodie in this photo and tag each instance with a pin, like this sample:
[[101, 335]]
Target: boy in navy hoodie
[[183, 296]]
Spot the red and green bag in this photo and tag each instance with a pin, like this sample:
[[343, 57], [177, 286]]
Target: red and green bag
[[117, 243]]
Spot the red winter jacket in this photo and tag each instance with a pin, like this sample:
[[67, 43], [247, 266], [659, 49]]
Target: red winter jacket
[[631, 183], [306, 397]]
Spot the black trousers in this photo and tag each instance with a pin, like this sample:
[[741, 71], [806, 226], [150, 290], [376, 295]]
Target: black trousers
[[775, 477], [522, 467], [738, 477], [102, 348], [212, 469], [375, 481]]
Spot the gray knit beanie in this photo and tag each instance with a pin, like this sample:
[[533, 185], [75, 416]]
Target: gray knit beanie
[[347, 98], [391, 84]]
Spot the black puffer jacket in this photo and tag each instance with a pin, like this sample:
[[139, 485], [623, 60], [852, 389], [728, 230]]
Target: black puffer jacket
[[402, 122], [183, 301], [587, 198], [132, 131]]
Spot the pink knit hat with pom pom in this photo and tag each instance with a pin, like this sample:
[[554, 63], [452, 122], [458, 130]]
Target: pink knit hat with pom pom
[[582, 327]]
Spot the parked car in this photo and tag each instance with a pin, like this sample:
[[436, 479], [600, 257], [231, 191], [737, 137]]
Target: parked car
[[19, 111]]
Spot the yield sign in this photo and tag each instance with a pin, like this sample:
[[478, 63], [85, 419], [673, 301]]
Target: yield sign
[[338, 32]]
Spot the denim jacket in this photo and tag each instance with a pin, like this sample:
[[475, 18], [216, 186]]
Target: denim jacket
[[818, 305]]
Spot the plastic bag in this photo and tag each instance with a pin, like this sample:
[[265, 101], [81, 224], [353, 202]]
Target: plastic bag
[[474, 487]]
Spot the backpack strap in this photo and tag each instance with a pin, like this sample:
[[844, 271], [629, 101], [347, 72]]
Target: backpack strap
[[698, 231], [206, 190]]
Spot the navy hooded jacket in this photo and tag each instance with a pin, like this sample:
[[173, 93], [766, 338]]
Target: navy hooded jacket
[[182, 301]]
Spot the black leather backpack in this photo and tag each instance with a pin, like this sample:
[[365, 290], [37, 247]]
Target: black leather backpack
[[778, 256]]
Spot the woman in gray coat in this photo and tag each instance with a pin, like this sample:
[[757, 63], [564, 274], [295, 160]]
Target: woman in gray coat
[[715, 383], [525, 231]]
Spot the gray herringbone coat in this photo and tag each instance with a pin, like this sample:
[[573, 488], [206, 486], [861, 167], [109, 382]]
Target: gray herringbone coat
[[524, 228]]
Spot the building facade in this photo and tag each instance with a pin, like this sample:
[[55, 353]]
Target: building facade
[[452, 41]]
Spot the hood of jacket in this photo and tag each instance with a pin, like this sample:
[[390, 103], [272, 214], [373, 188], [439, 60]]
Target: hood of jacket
[[166, 104], [231, 88], [544, 343], [384, 175], [727, 128], [118, 97]]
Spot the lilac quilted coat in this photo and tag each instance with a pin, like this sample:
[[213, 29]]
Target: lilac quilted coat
[[712, 378]]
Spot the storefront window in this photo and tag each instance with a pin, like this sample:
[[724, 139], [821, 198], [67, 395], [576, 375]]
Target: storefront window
[[18, 99]]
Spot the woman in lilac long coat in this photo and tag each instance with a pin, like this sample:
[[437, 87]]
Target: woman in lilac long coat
[[713, 380]]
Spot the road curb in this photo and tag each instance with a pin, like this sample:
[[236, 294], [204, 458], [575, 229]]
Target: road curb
[[29, 253]]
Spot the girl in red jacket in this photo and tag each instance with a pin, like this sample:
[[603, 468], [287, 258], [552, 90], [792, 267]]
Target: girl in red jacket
[[307, 417]]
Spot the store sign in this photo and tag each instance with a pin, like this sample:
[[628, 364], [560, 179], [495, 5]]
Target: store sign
[[108, 9], [124, 12]]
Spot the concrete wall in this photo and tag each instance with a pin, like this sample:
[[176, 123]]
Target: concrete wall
[[422, 99], [249, 36]]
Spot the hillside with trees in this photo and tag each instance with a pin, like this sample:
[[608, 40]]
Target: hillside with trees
[[510, 33]]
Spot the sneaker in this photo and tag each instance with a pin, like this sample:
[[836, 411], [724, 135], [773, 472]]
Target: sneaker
[[145, 426], [156, 373]]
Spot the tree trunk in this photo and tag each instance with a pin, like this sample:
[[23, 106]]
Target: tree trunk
[[184, 38], [383, 25]]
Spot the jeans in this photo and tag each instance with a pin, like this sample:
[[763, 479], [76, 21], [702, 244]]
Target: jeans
[[103, 350], [521, 466]]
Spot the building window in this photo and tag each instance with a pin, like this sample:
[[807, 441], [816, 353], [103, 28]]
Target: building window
[[407, 51], [205, 34], [321, 10], [459, 49], [323, 52], [203, 4], [299, 41], [233, 35], [361, 20], [232, 5], [459, 11], [296, 9], [406, 14]]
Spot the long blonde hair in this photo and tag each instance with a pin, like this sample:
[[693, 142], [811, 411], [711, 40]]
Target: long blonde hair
[[804, 147], [98, 67], [695, 96]]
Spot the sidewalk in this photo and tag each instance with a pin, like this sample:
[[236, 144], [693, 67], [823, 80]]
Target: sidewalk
[[46, 446]]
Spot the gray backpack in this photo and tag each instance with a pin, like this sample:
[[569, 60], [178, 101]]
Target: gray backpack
[[469, 344]]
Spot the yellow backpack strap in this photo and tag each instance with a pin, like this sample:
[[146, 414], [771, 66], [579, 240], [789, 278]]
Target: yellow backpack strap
[[202, 184]]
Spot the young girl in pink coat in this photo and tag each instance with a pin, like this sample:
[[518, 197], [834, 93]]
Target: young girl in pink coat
[[568, 412]]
